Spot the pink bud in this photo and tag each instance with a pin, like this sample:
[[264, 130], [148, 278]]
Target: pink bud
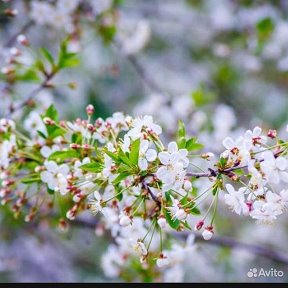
[[22, 39], [272, 134], [199, 225], [90, 109]]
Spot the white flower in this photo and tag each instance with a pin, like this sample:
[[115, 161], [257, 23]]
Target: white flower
[[46, 151], [5, 149], [124, 220], [267, 210], [162, 222], [162, 262], [67, 6], [137, 40], [146, 123], [6, 124], [236, 199], [41, 12], [145, 155], [77, 170], [177, 211], [34, 123], [172, 173], [95, 204], [55, 176], [274, 168], [284, 198], [253, 138], [140, 248], [237, 150], [207, 234]]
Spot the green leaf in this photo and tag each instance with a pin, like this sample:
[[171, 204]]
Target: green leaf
[[202, 97], [124, 158], [195, 211], [52, 113], [192, 145], [94, 167], [41, 134], [181, 143], [265, 28], [29, 75], [47, 55], [187, 225], [63, 155], [173, 223], [33, 178], [65, 58], [181, 129], [76, 138], [120, 177], [134, 154], [113, 156]]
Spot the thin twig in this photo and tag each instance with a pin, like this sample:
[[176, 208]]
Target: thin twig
[[154, 197], [31, 96], [214, 173], [23, 30]]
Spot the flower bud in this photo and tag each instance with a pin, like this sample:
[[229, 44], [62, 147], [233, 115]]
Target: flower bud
[[272, 134], [75, 146], [208, 156], [11, 12], [90, 110], [140, 248], [187, 185], [198, 226], [162, 222], [22, 39], [48, 121], [124, 220], [162, 261], [208, 233]]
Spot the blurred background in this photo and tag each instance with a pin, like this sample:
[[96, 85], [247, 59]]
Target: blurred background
[[220, 66]]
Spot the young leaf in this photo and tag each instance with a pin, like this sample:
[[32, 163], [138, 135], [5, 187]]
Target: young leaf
[[52, 113], [94, 167], [63, 155], [120, 177], [173, 223], [134, 154], [33, 178], [181, 130], [192, 145], [47, 55]]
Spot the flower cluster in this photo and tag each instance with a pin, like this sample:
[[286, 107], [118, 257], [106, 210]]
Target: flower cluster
[[120, 168]]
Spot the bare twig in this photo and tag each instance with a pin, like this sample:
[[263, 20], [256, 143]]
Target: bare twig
[[13, 38], [32, 95], [154, 197]]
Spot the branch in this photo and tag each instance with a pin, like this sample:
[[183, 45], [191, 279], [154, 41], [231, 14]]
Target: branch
[[214, 173], [259, 250], [154, 198], [255, 249], [32, 95], [13, 38]]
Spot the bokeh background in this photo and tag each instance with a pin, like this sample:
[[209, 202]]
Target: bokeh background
[[220, 66]]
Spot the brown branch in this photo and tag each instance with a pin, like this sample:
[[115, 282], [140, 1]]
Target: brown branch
[[153, 196], [32, 95], [260, 250], [214, 173], [23, 30]]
